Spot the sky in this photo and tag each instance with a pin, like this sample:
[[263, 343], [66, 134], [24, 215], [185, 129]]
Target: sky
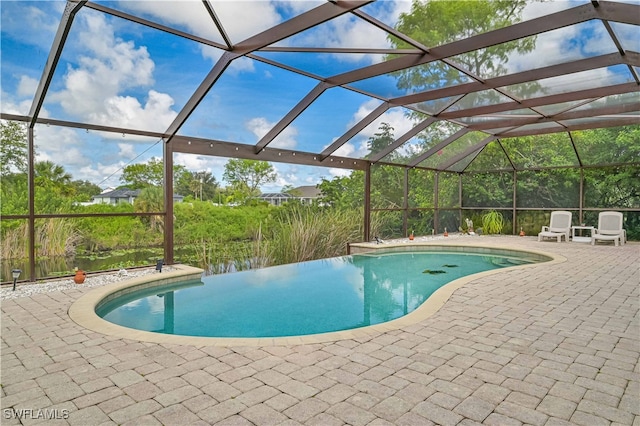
[[117, 73]]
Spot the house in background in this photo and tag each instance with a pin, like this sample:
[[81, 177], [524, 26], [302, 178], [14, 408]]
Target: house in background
[[305, 194], [276, 198], [123, 195], [116, 196]]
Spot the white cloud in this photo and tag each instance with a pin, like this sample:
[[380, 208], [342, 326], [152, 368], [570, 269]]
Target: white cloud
[[354, 149], [364, 110], [339, 172], [12, 106], [126, 150], [298, 7], [198, 163], [27, 86], [67, 149], [132, 114], [187, 14], [260, 126], [240, 20], [104, 175], [536, 9], [346, 31], [345, 150], [563, 45], [396, 118], [628, 35], [241, 64], [285, 175], [93, 88]]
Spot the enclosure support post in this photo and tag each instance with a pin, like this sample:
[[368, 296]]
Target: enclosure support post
[[168, 202], [32, 205], [405, 204], [515, 204], [460, 219], [367, 202], [581, 206], [436, 210]]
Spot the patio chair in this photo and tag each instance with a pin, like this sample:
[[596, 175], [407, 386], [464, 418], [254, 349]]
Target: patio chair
[[559, 226], [609, 228]]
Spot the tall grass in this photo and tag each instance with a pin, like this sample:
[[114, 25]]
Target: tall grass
[[217, 257], [306, 233], [15, 243], [53, 237]]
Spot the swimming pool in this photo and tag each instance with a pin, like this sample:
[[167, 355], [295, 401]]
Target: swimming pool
[[321, 296]]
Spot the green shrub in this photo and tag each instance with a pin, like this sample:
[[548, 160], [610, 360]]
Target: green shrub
[[492, 222]]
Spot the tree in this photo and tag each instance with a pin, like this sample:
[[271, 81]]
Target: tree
[[246, 176], [381, 140], [617, 186], [84, 190], [142, 175], [52, 177], [439, 22], [150, 199], [202, 184], [387, 182], [13, 148], [343, 192]]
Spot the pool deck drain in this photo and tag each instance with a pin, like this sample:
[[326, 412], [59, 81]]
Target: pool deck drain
[[552, 343]]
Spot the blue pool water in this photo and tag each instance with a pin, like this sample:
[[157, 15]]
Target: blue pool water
[[297, 299]]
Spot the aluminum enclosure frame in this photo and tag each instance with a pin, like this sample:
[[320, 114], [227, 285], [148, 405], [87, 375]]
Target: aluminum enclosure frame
[[418, 54]]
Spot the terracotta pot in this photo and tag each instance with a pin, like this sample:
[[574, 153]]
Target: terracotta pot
[[411, 236], [79, 277]]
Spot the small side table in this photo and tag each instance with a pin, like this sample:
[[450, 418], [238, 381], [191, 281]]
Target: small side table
[[581, 239]]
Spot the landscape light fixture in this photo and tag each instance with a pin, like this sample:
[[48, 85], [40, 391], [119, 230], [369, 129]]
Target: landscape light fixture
[[159, 264], [16, 274]]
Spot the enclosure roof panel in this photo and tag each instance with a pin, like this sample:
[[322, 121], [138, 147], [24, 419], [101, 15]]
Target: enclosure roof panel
[[315, 81]]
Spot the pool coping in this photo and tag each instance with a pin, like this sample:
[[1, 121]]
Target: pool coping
[[82, 311]]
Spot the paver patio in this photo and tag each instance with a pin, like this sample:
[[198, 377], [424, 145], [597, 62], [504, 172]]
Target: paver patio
[[554, 344]]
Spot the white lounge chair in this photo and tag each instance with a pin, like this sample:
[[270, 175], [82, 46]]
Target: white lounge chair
[[609, 228], [559, 226]]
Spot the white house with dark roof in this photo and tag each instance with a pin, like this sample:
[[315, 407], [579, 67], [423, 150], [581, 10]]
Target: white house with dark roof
[[116, 196], [305, 194], [123, 195]]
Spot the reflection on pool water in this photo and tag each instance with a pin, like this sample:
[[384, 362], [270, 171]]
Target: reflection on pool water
[[298, 299]]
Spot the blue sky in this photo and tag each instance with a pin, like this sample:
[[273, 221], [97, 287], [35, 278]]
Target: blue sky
[[117, 73]]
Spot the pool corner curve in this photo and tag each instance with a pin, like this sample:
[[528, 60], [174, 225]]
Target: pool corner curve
[[83, 310]]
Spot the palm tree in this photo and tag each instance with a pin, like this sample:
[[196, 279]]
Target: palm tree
[[203, 185], [53, 177], [151, 199]]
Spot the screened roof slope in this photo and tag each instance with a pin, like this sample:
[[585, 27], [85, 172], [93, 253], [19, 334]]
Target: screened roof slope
[[316, 82]]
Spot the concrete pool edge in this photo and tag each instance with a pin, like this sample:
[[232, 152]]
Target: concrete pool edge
[[82, 311]]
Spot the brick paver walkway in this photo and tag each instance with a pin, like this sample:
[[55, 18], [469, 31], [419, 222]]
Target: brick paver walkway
[[546, 345]]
